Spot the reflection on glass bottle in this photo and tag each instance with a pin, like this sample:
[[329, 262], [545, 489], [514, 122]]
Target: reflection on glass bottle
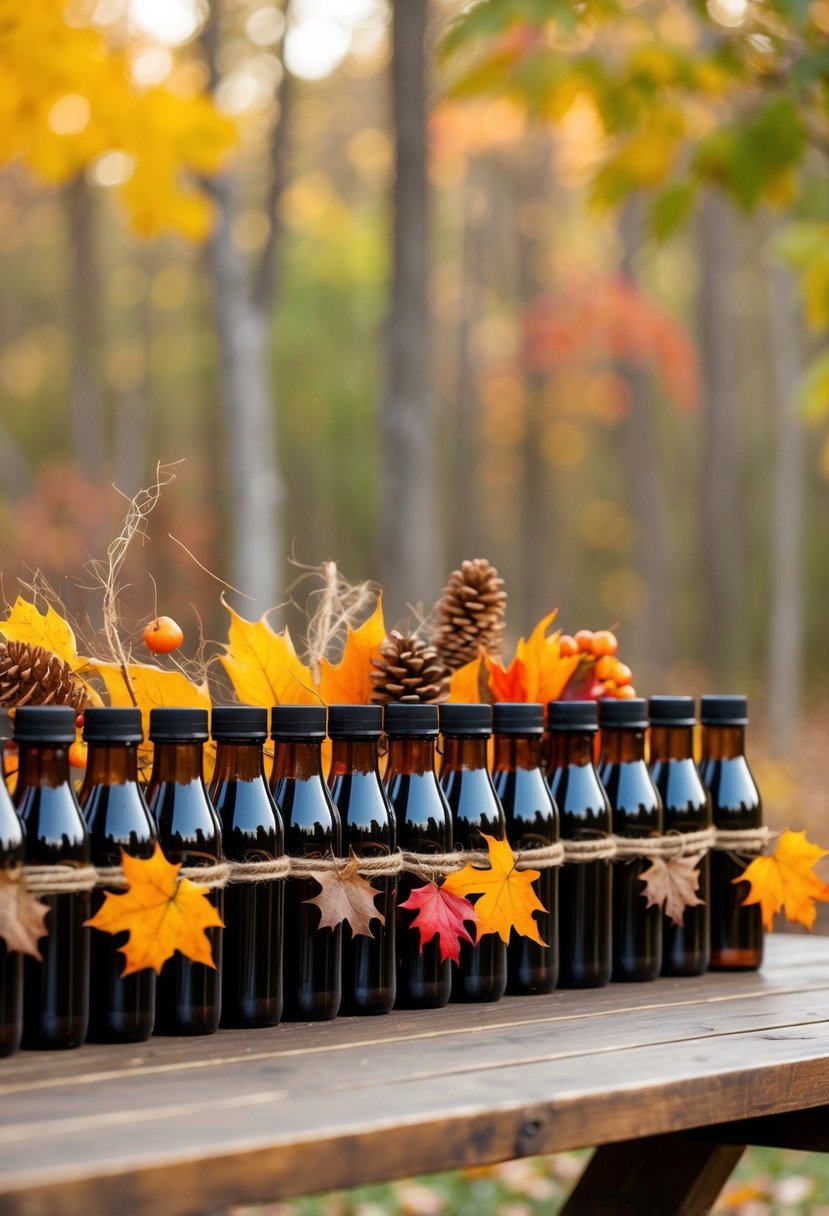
[[11, 961]]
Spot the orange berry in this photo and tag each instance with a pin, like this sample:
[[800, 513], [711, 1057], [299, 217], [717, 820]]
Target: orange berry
[[609, 688], [623, 673], [626, 693], [163, 635], [584, 641], [604, 642], [605, 668], [77, 754], [567, 646]]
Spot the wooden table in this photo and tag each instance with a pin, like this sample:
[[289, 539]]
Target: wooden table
[[177, 1125]]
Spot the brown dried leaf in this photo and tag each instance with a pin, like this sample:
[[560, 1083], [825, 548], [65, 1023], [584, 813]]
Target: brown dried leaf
[[344, 895], [22, 917], [672, 885]]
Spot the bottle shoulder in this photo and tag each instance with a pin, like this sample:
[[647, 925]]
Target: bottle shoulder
[[184, 810], [684, 797], [631, 791], [53, 825], [117, 815], [732, 789], [11, 830]]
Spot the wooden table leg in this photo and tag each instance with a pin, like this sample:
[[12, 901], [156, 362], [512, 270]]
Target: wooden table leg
[[671, 1175]]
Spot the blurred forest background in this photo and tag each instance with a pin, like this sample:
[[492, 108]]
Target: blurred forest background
[[401, 284]]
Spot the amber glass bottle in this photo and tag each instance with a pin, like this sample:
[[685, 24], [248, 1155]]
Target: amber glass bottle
[[11, 962], [5, 736], [465, 780], [188, 994], [687, 808], [369, 978], [532, 823], [424, 825], [251, 832], [312, 969], [736, 932], [117, 817], [584, 906], [56, 991], [637, 812]]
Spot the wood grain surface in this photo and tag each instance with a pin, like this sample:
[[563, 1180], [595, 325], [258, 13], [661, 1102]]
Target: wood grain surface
[[187, 1125]]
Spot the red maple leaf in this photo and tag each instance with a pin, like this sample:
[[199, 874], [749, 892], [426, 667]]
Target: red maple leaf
[[441, 914]]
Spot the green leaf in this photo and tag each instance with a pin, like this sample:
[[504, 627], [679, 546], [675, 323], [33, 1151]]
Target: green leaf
[[672, 208], [799, 244]]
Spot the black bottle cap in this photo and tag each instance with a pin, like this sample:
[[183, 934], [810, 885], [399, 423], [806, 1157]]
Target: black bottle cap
[[518, 718], [355, 721], [404, 719], [623, 715], [723, 710], [300, 722], [44, 724], [672, 711], [5, 725], [572, 715], [178, 725], [102, 724], [239, 722], [473, 719]]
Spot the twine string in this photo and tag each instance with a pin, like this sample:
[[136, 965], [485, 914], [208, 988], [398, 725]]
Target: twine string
[[580, 851], [59, 879]]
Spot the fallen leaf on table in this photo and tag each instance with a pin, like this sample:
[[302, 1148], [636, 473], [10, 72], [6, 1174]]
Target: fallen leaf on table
[[22, 917], [672, 885], [346, 896], [786, 880], [441, 914], [161, 912], [507, 899]]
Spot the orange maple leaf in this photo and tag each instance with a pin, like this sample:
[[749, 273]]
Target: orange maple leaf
[[264, 666], [507, 899], [161, 912], [465, 683], [349, 681], [538, 672], [786, 880]]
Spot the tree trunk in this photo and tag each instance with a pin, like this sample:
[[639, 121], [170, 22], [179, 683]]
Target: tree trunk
[[86, 408], [409, 543], [785, 660], [721, 499]]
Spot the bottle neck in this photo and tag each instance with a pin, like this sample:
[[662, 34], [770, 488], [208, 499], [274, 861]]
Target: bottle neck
[[300, 761], [353, 756], [516, 751], [238, 761], [623, 746], [672, 743], [411, 756], [723, 742], [570, 747], [111, 764], [460, 752], [43, 765], [179, 763]]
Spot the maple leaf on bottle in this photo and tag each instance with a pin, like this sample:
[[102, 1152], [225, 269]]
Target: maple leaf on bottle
[[672, 885], [507, 899], [161, 912], [441, 914], [786, 880], [22, 917], [346, 896]]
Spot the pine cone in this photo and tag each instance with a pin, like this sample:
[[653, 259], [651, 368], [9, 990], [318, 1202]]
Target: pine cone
[[30, 675], [409, 670], [469, 616]]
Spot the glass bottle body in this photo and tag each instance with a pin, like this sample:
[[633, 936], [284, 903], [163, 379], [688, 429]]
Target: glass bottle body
[[253, 911], [121, 1010], [55, 991], [636, 809], [585, 888], [467, 785], [424, 825], [312, 968], [686, 808], [11, 961], [369, 967], [531, 818], [736, 932], [188, 994]]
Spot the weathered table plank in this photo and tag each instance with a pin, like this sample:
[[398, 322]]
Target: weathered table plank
[[182, 1125]]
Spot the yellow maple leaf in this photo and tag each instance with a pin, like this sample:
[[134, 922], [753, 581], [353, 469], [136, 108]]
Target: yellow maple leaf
[[25, 623], [153, 687], [786, 880], [465, 682], [264, 666], [349, 681], [507, 899], [161, 912]]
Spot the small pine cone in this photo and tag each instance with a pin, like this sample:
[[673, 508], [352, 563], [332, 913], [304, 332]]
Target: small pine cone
[[469, 616], [409, 670], [30, 675]]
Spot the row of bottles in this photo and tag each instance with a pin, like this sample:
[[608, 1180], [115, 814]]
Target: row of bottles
[[596, 925]]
